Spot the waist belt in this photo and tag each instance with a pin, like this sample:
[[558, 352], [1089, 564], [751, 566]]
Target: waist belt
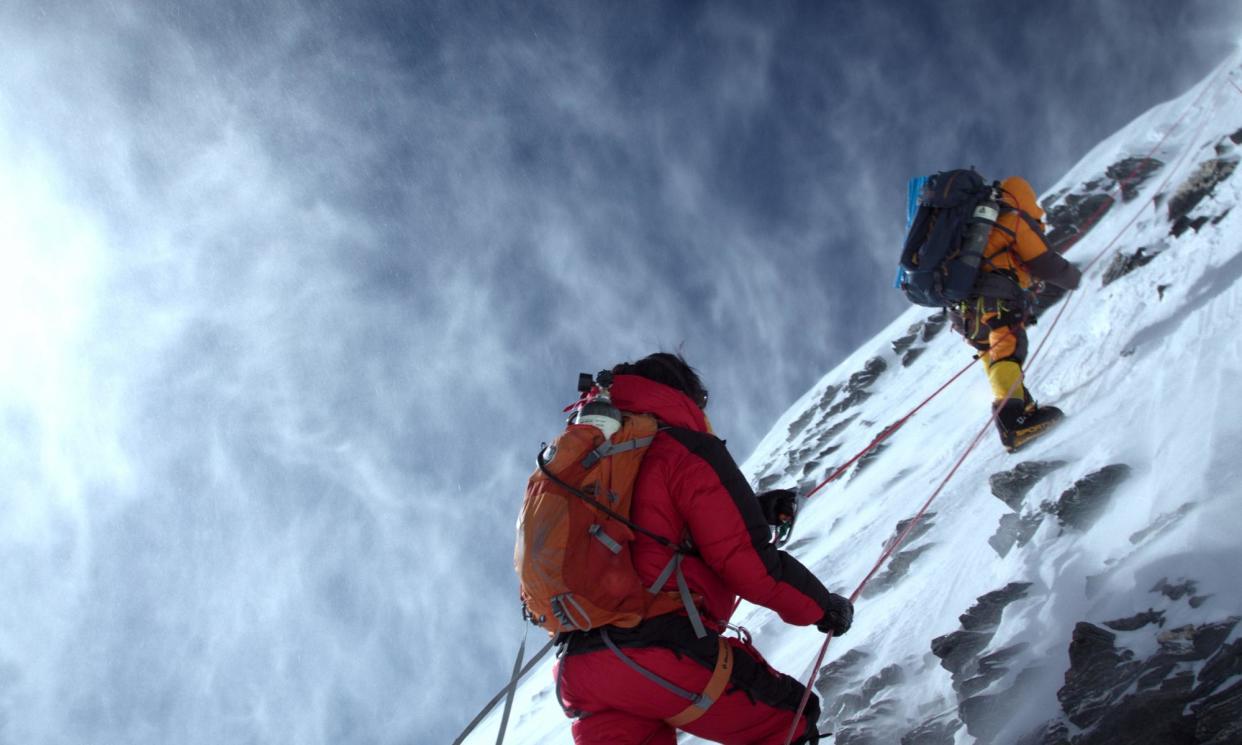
[[700, 702]]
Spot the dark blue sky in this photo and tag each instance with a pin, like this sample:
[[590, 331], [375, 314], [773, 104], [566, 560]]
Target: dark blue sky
[[335, 267]]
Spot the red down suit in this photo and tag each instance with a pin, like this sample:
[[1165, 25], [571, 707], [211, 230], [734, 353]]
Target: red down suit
[[689, 487]]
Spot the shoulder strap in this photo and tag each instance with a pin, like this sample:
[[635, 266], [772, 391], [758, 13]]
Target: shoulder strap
[[543, 466]]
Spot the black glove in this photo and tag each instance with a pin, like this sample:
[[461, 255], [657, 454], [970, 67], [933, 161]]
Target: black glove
[[839, 618], [779, 506]]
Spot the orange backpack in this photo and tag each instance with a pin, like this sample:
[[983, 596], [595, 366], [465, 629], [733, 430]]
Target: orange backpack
[[573, 535]]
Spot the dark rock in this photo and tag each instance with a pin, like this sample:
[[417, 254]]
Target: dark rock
[[799, 424], [1210, 637], [1160, 291], [993, 665], [1053, 732], [1162, 523], [919, 529], [1006, 534], [896, 478], [1224, 664], [1152, 717], [1221, 216], [806, 485], [932, 732], [986, 715], [991, 669], [1073, 217], [838, 674], [848, 736], [825, 400], [769, 481], [1219, 718], [934, 324], [890, 676], [1013, 529], [866, 376], [1236, 137], [1137, 621], [1124, 263], [1080, 505], [829, 451], [1098, 670], [911, 355], [1053, 198], [827, 396], [852, 398], [985, 614], [1219, 712], [1180, 680], [957, 650], [1175, 591], [797, 458], [838, 428], [1158, 700], [1012, 486], [898, 567], [844, 705], [1184, 223], [903, 343], [1131, 173], [1199, 185], [869, 457]]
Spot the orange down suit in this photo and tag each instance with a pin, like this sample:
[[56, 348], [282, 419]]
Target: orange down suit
[[993, 324]]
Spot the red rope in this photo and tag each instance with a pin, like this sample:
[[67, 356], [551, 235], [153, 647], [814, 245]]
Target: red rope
[[881, 437], [887, 432]]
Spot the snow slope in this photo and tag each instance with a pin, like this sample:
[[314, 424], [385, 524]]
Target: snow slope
[[1111, 584]]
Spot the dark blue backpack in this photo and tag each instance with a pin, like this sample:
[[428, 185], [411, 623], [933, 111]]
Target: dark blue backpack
[[948, 233]]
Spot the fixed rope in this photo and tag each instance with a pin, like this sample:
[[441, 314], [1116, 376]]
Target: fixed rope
[[503, 693], [888, 431]]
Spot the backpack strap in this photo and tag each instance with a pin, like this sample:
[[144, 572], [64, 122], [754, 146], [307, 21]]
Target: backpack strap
[[543, 467], [607, 449], [683, 590], [700, 702], [714, 690]]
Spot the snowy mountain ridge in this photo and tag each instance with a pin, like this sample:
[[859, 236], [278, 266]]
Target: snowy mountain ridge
[[1084, 590]]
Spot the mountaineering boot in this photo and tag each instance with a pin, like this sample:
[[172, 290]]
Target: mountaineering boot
[[1019, 422]]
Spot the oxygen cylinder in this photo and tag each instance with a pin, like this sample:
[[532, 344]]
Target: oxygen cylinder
[[978, 230], [599, 412]]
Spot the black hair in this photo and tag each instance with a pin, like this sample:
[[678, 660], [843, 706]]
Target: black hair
[[668, 369]]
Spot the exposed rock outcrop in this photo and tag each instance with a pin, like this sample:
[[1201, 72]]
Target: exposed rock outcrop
[[1079, 506], [1012, 486], [1070, 214], [959, 651], [1015, 529], [934, 732], [1123, 263], [1114, 697], [1199, 185]]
